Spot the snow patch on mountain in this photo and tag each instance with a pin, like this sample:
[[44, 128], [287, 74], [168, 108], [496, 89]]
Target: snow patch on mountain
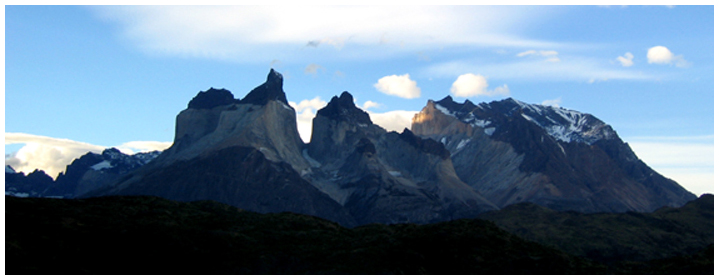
[[481, 123], [566, 125], [462, 144], [561, 124], [102, 165], [489, 130], [444, 110]]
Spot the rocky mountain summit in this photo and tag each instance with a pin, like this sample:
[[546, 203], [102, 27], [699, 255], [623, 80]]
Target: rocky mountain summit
[[512, 152]]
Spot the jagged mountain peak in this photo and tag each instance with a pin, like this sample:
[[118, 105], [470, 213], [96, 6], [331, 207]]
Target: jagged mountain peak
[[270, 90], [561, 124], [343, 108], [212, 98]]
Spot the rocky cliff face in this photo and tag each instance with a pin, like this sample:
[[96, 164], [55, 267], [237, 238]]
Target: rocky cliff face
[[513, 152], [214, 120], [385, 177]]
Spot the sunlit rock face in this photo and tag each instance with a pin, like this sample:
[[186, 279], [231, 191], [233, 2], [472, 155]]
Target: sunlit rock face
[[262, 120], [512, 152]]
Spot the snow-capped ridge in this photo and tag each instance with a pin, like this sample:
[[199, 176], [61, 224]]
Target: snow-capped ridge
[[561, 124]]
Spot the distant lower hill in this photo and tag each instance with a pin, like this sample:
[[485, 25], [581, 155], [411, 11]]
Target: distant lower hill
[[606, 237], [150, 235]]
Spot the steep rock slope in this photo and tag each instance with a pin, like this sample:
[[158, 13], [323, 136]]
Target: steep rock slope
[[246, 153], [263, 120], [513, 152], [385, 177]]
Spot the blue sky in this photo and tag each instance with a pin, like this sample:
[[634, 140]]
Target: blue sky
[[81, 79]]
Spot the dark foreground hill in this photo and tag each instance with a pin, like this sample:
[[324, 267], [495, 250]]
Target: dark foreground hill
[[608, 237], [150, 235]]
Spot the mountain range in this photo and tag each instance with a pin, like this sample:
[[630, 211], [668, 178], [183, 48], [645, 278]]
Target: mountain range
[[86, 173], [458, 160]]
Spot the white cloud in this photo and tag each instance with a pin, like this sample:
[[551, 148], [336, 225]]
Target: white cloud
[[52, 155], [306, 111], [689, 162], [552, 102], [468, 85], [662, 55], [370, 104], [659, 55], [393, 120], [626, 60], [401, 86]]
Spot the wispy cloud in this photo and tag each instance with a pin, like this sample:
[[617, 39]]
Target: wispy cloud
[[549, 55], [255, 33], [313, 68], [572, 68]]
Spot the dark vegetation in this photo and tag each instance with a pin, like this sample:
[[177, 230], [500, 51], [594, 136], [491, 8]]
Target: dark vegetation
[[150, 235], [608, 237]]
